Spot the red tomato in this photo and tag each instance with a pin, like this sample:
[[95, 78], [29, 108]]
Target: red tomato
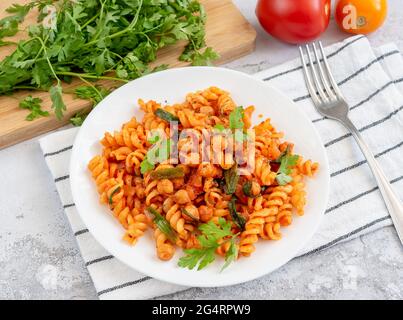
[[294, 21]]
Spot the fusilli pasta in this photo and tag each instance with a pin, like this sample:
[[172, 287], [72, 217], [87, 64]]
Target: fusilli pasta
[[187, 195]]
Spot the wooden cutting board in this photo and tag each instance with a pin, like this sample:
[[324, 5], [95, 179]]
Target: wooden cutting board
[[228, 32]]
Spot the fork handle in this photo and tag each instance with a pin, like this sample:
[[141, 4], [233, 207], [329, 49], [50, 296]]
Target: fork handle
[[391, 199]]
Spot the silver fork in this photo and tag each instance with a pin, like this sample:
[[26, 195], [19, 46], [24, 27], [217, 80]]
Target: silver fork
[[330, 103]]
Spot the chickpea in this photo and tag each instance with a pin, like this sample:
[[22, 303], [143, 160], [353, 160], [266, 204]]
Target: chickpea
[[192, 211], [179, 182], [182, 197], [165, 186], [255, 189], [205, 213], [208, 170]]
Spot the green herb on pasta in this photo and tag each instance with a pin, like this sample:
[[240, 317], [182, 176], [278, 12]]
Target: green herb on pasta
[[210, 239]]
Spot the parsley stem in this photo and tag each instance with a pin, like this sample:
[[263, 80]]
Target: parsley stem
[[89, 76], [92, 86], [230, 239], [27, 88], [89, 21], [8, 43], [101, 16], [47, 59]]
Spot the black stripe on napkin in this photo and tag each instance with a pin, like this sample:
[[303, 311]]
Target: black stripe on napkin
[[62, 178], [356, 165], [80, 232], [300, 67], [124, 285], [355, 73], [372, 95], [98, 260], [345, 237], [58, 151], [371, 125], [340, 204], [69, 205]]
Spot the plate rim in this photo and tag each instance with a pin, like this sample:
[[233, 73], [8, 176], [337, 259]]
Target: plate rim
[[287, 256]]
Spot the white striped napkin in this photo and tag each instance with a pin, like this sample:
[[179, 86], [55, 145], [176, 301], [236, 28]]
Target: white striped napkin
[[372, 81]]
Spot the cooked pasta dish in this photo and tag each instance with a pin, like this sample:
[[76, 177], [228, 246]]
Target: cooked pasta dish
[[200, 177]]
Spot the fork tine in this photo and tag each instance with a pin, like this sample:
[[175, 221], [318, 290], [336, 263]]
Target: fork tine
[[329, 73], [308, 79], [314, 73], [325, 82]]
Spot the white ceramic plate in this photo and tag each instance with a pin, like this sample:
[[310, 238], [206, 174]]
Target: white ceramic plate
[[171, 86]]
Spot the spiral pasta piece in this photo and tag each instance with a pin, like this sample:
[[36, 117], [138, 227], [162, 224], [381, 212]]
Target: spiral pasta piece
[[253, 228], [99, 169], [307, 168], [165, 249], [189, 118], [151, 192], [133, 161], [298, 194], [271, 231], [263, 171], [137, 225], [225, 104]]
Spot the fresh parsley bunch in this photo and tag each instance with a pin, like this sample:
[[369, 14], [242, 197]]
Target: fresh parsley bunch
[[97, 39]]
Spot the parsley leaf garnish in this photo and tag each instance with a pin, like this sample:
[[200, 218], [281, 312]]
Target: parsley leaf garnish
[[33, 105], [231, 255], [204, 59], [209, 241], [220, 127], [236, 118], [287, 161], [57, 100]]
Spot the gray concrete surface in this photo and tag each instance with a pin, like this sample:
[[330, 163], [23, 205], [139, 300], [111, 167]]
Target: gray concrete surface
[[39, 258]]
